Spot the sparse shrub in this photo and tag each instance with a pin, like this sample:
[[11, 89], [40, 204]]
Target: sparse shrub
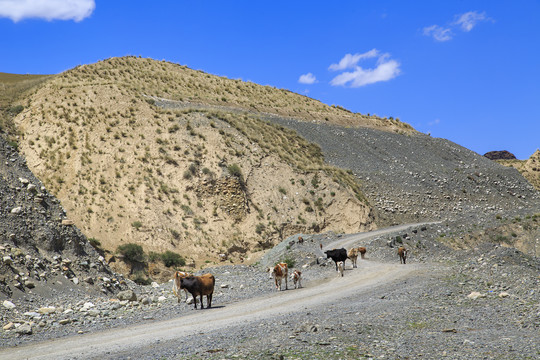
[[133, 253], [235, 170], [260, 228], [15, 110], [174, 128], [175, 234], [282, 190], [136, 224], [154, 256], [171, 259]]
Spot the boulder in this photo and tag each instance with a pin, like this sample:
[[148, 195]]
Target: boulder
[[24, 329], [127, 295], [8, 305], [500, 155]]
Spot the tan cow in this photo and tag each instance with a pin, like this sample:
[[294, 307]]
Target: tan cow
[[402, 253], [340, 265], [177, 285], [353, 255], [279, 272]]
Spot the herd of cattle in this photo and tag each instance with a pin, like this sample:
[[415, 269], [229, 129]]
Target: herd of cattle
[[204, 284]]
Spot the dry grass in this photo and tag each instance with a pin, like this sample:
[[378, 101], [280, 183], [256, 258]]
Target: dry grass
[[13, 88]]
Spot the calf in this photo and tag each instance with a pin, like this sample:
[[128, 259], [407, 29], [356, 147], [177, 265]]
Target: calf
[[402, 253], [337, 255], [279, 272], [340, 265], [199, 286], [177, 286], [296, 276], [362, 250], [353, 255]]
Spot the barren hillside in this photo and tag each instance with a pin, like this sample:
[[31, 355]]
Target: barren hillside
[[198, 182], [530, 168]]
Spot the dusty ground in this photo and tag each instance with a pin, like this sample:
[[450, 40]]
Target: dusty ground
[[381, 310]]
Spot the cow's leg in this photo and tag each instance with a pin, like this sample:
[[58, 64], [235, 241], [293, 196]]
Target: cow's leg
[[286, 282], [195, 300], [208, 301], [202, 305]]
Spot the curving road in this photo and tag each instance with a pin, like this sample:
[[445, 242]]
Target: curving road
[[121, 340]]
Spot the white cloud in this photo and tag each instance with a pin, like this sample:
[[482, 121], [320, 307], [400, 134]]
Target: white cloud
[[308, 78], [350, 61], [464, 22], [385, 70], [469, 20], [438, 33], [76, 10], [434, 122]]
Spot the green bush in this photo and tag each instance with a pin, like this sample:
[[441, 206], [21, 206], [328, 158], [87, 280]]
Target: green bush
[[154, 256], [136, 224], [15, 110], [235, 170], [290, 262], [170, 259], [132, 253]]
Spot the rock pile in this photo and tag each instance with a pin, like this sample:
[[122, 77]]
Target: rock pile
[[43, 256]]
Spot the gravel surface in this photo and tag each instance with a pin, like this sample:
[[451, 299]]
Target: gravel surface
[[472, 295]]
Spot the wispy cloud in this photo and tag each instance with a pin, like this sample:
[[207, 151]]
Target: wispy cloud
[[464, 22], [350, 61], [76, 10], [308, 79], [434, 122], [469, 20], [386, 69], [438, 33]]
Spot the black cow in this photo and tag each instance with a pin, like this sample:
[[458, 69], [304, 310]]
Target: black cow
[[199, 285], [337, 255]]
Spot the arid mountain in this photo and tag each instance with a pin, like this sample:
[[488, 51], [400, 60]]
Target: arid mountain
[[530, 168], [195, 181]]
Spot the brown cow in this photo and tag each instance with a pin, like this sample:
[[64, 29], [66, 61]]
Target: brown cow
[[300, 240], [199, 286], [296, 276], [362, 250], [402, 253], [353, 255], [279, 272], [176, 283]]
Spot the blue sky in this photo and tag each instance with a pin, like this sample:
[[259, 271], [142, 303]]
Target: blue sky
[[467, 71]]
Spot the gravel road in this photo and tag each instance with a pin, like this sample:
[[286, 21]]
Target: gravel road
[[380, 310]]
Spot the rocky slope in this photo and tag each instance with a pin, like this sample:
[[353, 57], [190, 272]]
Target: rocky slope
[[42, 255], [530, 168]]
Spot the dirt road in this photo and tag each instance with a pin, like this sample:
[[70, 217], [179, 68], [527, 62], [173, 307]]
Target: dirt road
[[127, 340]]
